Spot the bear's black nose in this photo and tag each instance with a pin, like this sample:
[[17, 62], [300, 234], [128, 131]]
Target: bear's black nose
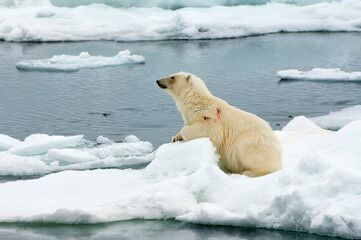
[[161, 85]]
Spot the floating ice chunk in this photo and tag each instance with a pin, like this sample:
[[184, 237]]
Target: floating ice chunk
[[80, 162], [69, 156], [58, 153], [114, 162], [84, 55], [41, 143], [7, 142], [122, 149], [84, 60], [131, 138], [337, 120], [319, 74], [104, 140], [13, 165]]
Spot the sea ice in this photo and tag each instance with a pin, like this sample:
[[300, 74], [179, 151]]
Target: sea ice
[[7, 142], [319, 74], [41, 154], [37, 144], [131, 138], [42, 21], [84, 60], [14, 165], [104, 140], [318, 191], [336, 120]]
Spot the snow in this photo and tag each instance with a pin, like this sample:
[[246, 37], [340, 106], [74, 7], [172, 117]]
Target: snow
[[336, 120], [318, 191], [45, 22], [41, 154], [319, 74], [84, 60]]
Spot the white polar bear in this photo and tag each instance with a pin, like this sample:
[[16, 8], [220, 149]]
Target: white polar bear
[[246, 143]]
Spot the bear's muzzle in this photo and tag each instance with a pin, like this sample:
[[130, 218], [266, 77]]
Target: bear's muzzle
[[161, 85]]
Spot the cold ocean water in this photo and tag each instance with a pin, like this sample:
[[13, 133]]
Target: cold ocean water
[[162, 230], [123, 100]]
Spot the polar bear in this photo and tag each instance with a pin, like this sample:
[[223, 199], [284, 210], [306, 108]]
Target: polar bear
[[245, 142]]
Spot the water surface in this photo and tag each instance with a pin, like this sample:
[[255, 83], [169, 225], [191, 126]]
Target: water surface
[[167, 229]]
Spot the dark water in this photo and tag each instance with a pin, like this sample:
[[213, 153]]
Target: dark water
[[139, 230], [241, 71]]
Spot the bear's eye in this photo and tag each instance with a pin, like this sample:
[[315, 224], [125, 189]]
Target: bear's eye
[[205, 118], [172, 78]]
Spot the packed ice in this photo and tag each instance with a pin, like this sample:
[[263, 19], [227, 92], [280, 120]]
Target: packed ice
[[84, 60], [44, 21], [319, 74], [318, 191], [41, 154]]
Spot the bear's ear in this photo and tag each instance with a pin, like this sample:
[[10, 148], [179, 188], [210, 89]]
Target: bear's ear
[[189, 78]]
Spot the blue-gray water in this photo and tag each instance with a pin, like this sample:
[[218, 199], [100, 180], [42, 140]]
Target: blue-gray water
[[139, 230], [241, 71]]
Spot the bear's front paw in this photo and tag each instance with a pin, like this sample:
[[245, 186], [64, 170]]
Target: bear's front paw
[[177, 138]]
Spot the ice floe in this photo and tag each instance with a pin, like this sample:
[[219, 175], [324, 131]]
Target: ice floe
[[319, 74], [41, 154], [166, 4], [104, 140], [7, 142], [37, 144], [318, 191], [336, 120], [131, 138], [42, 21], [84, 60]]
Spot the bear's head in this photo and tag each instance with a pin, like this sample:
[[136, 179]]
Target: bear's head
[[180, 83]]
